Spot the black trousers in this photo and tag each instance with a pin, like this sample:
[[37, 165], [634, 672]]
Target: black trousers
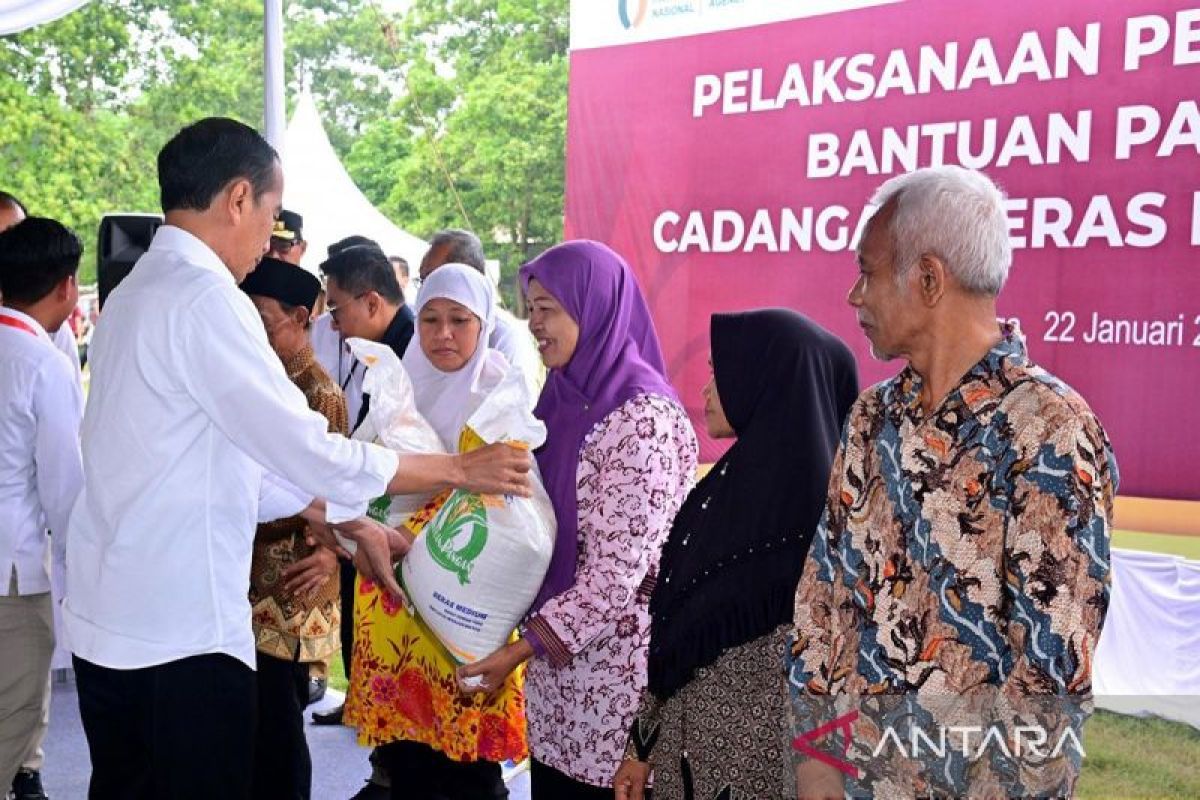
[[183, 730], [282, 765], [348, 574], [419, 772], [547, 783]]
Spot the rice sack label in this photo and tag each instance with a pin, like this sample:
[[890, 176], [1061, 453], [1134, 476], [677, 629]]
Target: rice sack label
[[479, 560], [458, 534]]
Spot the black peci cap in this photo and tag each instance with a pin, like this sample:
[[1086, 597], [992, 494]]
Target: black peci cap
[[284, 282]]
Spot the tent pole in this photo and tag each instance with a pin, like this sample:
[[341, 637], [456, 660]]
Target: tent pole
[[273, 106]]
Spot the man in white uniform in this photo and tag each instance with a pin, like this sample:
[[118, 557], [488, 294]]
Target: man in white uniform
[[40, 476]]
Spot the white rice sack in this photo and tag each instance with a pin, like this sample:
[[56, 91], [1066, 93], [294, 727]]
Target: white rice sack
[[477, 565], [393, 421]]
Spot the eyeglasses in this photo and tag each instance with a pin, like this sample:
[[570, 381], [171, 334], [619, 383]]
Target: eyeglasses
[[283, 245], [334, 309]]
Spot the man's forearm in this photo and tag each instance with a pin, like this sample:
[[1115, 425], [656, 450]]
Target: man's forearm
[[422, 474], [315, 511]]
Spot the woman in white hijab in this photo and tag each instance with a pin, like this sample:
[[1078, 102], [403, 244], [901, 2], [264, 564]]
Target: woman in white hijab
[[452, 368], [435, 741]]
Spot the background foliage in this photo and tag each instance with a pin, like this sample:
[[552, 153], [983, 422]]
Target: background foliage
[[445, 112]]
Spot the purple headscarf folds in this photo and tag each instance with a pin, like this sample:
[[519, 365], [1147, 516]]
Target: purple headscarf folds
[[616, 359]]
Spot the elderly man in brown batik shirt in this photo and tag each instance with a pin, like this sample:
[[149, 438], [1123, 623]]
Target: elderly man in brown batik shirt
[[951, 602], [293, 584]]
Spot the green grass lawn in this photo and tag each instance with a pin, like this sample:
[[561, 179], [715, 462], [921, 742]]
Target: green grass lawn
[[337, 674], [1127, 757]]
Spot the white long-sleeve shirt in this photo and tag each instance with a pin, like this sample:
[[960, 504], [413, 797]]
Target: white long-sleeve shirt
[[64, 340], [40, 471], [188, 415], [334, 355]]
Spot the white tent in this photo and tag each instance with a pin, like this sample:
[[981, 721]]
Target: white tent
[[317, 186], [20, 15]]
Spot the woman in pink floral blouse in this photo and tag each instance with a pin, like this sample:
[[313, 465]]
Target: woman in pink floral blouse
[[618, 461]]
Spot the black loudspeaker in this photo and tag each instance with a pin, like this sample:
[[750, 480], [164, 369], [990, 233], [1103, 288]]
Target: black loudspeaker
[[123, 239]]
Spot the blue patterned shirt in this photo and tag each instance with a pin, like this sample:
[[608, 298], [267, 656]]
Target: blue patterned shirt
[[959, 576]]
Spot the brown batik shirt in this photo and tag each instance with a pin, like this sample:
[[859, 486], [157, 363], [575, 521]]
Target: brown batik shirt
[[286, 626]]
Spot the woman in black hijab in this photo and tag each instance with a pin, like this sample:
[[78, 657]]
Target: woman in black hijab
[[713, 720]]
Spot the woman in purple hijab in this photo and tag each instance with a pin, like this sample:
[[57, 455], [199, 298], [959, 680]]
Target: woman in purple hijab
[[617, 463]]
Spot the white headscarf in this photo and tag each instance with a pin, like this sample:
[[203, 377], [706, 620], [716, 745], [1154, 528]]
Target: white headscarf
[[447, 399]]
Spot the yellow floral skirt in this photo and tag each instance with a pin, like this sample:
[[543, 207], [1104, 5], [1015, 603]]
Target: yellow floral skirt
[[403, 687]]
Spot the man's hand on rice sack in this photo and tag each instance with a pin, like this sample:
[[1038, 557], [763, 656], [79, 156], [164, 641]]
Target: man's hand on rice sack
[[486, 676], [309, 574], [630, 781], [321, 534], [401, 540], [373, 554], [497, 469]]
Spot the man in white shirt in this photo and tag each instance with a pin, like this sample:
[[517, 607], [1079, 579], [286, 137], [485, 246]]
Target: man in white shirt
[[27, 785], [193, 434], [329, 343], [40, 473], [511, 336]]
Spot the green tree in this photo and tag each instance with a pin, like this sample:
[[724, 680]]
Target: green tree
[[478, 137], [452, 113], [89, 99]]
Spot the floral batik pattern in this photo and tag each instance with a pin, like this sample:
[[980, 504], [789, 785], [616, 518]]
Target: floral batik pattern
[[403, 684], [635, 469]]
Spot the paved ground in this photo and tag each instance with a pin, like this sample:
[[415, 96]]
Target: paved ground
[[339, 764]]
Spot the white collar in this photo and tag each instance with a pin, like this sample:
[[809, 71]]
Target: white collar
[[192, 248], [38, 330]]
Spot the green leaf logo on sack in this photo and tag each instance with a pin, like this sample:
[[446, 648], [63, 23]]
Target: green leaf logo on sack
[[457, 534]]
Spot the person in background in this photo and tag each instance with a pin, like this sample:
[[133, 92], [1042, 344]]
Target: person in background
[[288, 244], [960, 572], [159, 545], [12, 210], [287, 238], [28, 783], [435, 742], [294, 600], [41, 404], [402, 273], [619, 457], [713, 718], [331, 348], [364, 301], [510, 337]]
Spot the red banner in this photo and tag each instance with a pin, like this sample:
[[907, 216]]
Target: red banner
[[732, 170]]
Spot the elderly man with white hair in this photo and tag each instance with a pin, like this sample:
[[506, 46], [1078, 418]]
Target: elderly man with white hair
[[958, 581]]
